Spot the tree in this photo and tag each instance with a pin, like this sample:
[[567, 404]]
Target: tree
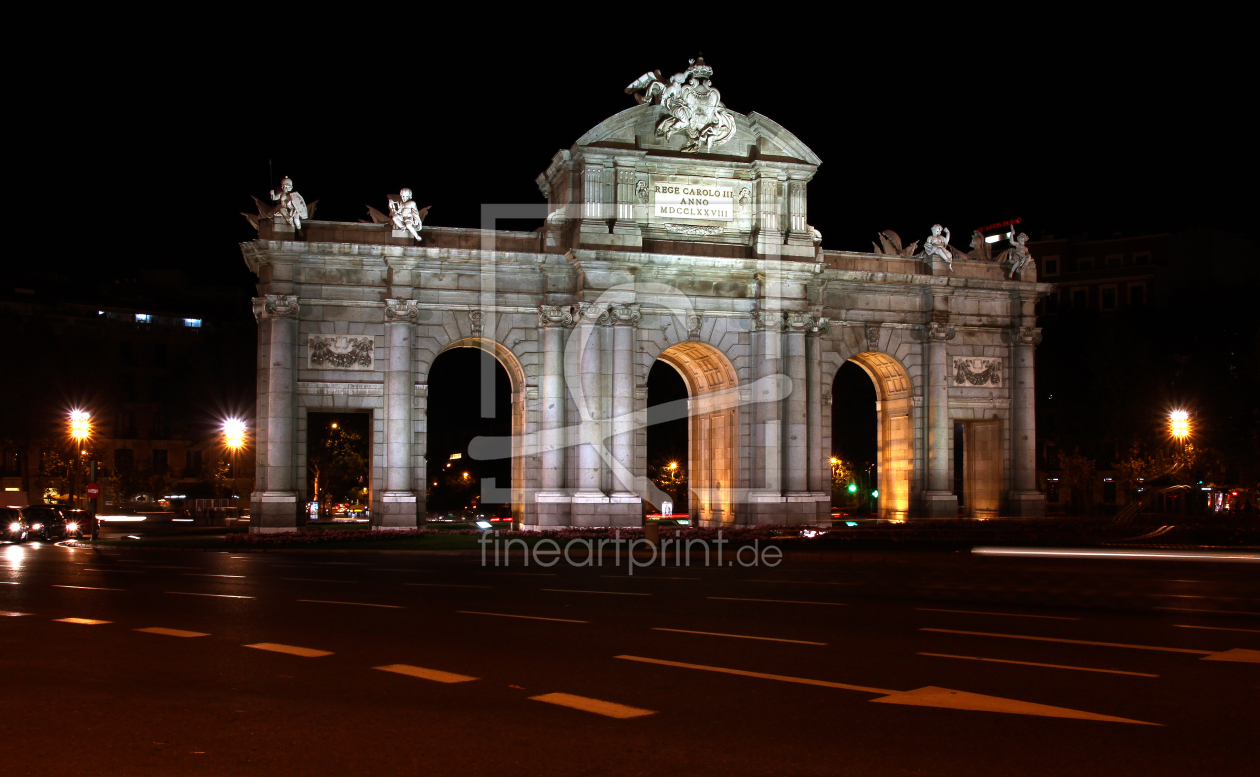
[[670, 477], [339, 463], [1078, 475]]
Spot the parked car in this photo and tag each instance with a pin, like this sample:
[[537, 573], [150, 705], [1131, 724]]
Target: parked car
[[13, 526], [45, 522], [77, 522]]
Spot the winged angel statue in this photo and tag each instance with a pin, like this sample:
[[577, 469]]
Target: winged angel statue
[[289, 206], [403, 213], [695, 108]]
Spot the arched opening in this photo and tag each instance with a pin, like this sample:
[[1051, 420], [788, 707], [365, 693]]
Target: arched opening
[[472, 385], [667, 438], [854, 442], [893, 428], [712, 429], [338, 465]]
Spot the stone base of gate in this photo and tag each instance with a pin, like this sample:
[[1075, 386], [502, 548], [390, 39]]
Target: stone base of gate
[[804, 508], [1026, 504], [939, 504], [395, 510], [605, 510], [272, 511]]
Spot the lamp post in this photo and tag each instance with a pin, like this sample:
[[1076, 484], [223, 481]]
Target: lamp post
[[233, 438], [1179, 426], [80, 430]]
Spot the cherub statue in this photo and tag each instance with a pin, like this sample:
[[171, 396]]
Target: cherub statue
[[289, 204], [403, 213], [938, 245], [1017, 255]]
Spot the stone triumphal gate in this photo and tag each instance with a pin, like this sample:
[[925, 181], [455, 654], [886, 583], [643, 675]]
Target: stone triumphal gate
[[675, 230]]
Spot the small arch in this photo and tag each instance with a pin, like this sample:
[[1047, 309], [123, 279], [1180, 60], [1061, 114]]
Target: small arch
[[894, 430]]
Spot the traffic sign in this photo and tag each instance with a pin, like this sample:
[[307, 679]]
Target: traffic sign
[[92, 491]]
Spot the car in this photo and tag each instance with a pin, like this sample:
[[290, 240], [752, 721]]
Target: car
[[13, 526], [77, 522], [46, 522]]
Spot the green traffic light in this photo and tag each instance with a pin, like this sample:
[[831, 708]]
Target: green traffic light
[[875, 494], [852, 488]]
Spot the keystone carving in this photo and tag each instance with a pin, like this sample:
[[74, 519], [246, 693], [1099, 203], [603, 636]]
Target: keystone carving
[[694, 323], [872, 337], [477, 318]]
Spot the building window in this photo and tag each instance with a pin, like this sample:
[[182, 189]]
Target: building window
[[1113, 260], [12, 464], [1142, 257], [1080, 298], [192, 322], [159, 461], [1137, 294], [1085, 264], [143, 318], [1107, 298], [124, 459], [1050, 264]]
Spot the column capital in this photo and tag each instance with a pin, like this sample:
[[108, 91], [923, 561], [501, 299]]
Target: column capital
[[937, 332], [591, 314], [1022, 335], [809, 323], [401, 311], [767, 320], [624, 314], [556, 315], [276, 306]]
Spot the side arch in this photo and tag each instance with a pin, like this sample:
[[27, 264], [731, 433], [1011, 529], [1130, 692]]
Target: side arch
[[894, 406]]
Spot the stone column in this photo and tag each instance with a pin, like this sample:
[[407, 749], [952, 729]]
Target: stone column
[[796, 425], [1024, 500], [939, 499], [768, 454], [552, 499], [590, 401], [397, 505], [819, 470], [625, 319], [627, 199], [279, 500]]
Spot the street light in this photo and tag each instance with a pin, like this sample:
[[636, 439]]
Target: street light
[[233, 438], [1179, 425], [80, 430]]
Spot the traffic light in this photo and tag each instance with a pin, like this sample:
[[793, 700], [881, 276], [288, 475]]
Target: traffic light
[[875, 494], [852, 488]]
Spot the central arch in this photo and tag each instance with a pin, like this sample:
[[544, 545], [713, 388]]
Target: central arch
[[513, 493], [894, 449], [713, 428]]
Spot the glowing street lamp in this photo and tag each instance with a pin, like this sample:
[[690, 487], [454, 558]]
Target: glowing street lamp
[[80, 425], [234, 439], [1179, 425]]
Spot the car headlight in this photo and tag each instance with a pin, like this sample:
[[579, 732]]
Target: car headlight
[[15, 526], [36, 526], [72, 527]]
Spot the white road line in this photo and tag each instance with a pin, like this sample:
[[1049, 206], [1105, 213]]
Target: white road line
[[81, 621], [525, 574], [1216, 628], [760, 675], [1218, 612], [206, 574], [525, 617], [578, 591], [315, 580], [738, 636], [435, 675], [780, 601], [360, 604], [406, 570], [1008, 614], [88, 587], [217, 596], [4, 614], [166, 567], [1077, 641], [127, 571], [597, 706], [650, 577], [8, 582], [173, 632], [290, 649], [448, 585], [1033, 663]]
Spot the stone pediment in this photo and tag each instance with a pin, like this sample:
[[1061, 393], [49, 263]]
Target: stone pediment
[[636, 128]]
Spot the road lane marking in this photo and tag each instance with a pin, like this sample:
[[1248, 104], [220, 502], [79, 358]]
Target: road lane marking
[[128, 571], [315, 580], [579, 591], [173, 632], [526, 617], [81, 621], [781, 601], [406, 570], [1219, 612], [1033, 663], [797, 582], [217, 596], [1077, 641], [929, 696], [597, 706], [88, 587], [738, 636], [1239, 655], [760, 675], [435, 675], [961, 700], [525, 574], [1216, 628], [9, 582], [290, 649], [650, 577], [359, 604], [343, 563], [206, 574], [1008, 614], [1198, 556], [448, 585], [166, 567], [4, 614]]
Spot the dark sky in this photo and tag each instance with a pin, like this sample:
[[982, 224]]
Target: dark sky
[[1072, 124]]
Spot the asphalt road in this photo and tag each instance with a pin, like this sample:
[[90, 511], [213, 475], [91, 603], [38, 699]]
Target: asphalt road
[[150, 662]]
